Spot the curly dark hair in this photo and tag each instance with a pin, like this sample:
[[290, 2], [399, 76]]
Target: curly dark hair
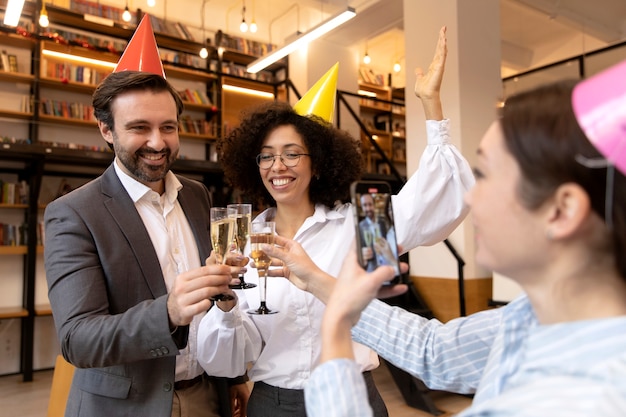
[[335, 155]]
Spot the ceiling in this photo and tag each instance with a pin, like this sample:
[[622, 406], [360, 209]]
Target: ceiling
[[533, 32]]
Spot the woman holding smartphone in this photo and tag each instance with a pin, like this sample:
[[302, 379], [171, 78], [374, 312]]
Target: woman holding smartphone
[[303, 171], [549, 208]]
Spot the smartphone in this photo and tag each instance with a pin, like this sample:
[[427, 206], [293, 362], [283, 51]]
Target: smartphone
[[375, 229]]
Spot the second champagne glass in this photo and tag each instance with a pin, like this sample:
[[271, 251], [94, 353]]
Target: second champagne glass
[[262, 233], [222, 229], [242, 214]]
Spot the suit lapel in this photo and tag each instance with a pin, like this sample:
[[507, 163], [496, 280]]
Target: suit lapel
[[196, 210], [122, 209]]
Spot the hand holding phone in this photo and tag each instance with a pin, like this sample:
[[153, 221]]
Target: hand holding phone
[[375, 229]]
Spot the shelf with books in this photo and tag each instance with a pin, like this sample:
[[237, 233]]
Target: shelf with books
[[235, 53], [66, 120], [196, 74], [74, 67], [382, 112], [16, 81], [239, 94]]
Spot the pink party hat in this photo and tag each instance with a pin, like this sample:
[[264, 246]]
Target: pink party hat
[[599, 104], [141, 53], [320, 99]]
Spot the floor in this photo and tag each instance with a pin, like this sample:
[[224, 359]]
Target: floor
[[30, 399]]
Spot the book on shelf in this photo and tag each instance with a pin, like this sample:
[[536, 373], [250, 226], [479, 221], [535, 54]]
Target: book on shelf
[[13, 234], [14, 192], [26, 104], [246, 46], [367, 75], [4, 58], [195, 96], [12, 62]]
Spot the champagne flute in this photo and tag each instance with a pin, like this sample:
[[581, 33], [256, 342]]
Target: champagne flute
[[222, 228], [368, 237], [242, 214], [261, 233]]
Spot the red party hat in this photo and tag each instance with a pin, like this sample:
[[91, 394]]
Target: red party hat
[[141, 53]]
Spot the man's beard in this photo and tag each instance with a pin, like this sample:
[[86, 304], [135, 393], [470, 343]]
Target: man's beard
[[140, 170]]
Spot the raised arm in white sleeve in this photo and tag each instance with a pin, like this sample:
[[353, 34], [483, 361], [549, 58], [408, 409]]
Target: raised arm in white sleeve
[[430, 205]]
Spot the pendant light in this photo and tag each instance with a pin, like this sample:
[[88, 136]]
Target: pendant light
[[126, 16], [44, 21], [243, 26]]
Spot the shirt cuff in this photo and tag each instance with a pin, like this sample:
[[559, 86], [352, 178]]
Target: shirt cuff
[[230, 318], [438, 131]]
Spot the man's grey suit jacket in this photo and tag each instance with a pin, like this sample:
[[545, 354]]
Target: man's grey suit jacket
[[108, 299]]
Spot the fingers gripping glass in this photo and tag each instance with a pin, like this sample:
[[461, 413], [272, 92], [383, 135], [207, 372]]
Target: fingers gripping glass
[[262, 233], [288, 159], [222, 229], [241, 215]]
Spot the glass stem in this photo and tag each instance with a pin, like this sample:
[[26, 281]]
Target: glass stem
[[263, 286]]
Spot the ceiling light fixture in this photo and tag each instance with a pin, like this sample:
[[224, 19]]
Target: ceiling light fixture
[[126, 16], [77, 58], [248, 91], [253, 26], [44, 22], [302, 40], [13, 12], [204, 53], [243, 26], [366, 58]]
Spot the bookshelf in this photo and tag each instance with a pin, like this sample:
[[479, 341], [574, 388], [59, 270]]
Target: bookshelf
[[382, 111]]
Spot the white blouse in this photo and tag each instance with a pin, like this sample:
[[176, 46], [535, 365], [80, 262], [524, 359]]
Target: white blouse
[[283, 349]]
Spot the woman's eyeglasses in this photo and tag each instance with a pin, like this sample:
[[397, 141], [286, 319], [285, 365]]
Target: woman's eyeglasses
[[288, 159]]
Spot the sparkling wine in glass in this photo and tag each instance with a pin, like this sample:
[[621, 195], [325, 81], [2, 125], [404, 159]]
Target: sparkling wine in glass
[[261, 233], [222, 229], [241, 214]]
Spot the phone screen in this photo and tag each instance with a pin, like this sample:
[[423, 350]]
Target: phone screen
[[375, 229]]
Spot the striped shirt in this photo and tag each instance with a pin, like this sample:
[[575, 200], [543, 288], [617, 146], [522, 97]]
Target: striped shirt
[[514, 365]]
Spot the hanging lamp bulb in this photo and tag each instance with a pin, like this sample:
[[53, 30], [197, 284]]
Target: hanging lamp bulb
[[243, 26], [367, 59], [151, 3], [204, 53], [126, 15], [397, 67], [253, 26], [44, 21]]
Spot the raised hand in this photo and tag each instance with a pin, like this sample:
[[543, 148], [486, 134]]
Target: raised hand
[[428, 85], [297, 267]]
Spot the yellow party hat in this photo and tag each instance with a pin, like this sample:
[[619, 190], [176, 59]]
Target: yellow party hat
[[320, 99]]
